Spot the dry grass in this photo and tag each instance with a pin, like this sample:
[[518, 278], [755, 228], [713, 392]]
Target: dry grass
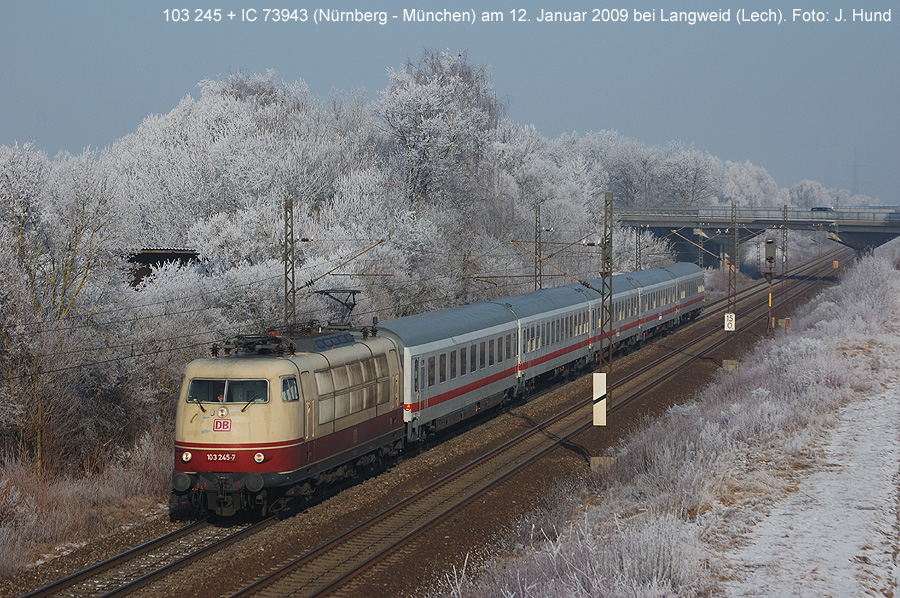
[[39, 514]]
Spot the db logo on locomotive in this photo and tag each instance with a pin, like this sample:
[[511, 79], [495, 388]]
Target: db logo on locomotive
[[221, 425]]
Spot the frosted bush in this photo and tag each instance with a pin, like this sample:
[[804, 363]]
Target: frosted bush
[[655, 558]]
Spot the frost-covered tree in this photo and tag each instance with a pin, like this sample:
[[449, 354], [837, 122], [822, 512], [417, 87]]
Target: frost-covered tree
[[442, 113], [60, 272], [245, 142], [635, 171], [807, 194], [691, 176], [751, 185]]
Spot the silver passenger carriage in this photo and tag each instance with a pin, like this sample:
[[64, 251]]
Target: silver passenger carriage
[[458, 361]]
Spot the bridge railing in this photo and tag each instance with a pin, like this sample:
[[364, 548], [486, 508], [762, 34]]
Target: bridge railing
[[773, 214]]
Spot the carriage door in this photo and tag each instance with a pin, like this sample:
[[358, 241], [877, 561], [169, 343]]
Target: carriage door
[[418, 381]]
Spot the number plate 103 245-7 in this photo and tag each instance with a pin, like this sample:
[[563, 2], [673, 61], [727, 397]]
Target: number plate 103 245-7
[[221, 457]]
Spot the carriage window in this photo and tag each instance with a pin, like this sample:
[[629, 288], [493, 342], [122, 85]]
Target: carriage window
[[431, 371], [289, 390], [473, 359], [491, 352], [509, 346], [481, 353], [442, 369], [452, 365], [462, 361]]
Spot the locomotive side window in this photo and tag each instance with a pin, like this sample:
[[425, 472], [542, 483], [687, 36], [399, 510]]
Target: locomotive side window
[[326, 410], [289, 391], [369, 370], [341, 405], [324, 382], [381, 366], [355, 371]]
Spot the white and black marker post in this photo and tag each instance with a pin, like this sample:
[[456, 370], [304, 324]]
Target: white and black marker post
[[599, 399]]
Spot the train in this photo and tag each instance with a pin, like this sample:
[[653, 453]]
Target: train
[[266, 419]]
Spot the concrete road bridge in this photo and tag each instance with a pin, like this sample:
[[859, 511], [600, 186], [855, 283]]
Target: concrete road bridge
[[704, 235]]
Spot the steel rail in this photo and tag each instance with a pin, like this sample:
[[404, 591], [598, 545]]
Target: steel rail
[[61, 584]]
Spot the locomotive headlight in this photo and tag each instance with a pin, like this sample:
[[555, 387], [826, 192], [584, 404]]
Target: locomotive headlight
[[186, 457], [259, 457]]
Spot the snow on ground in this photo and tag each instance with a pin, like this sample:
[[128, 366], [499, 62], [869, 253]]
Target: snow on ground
[[837, 535]]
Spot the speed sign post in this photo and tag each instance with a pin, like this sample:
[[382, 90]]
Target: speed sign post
[[599, 399], [730, 322]]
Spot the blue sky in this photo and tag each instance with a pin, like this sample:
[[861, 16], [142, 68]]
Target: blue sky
[[800, 99]]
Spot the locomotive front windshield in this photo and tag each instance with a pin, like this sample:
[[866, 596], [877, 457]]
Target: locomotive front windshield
[[228, 391]]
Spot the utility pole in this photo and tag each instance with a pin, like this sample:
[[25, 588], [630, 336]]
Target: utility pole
[[539, 247], [784, 240], [538, 266], [290, 289], [770, 273], [606, 287], [637, 247], [735, 260]]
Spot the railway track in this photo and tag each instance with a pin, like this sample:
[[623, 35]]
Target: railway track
[[340, 565], [336, 567], [127, 572]]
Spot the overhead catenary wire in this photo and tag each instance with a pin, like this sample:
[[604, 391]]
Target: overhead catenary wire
[[127, 350]]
